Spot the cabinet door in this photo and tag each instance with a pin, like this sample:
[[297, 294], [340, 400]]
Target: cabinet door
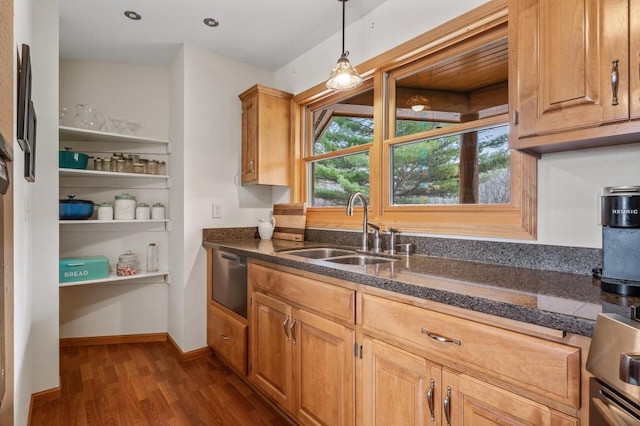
[[324, 365], [271, 349], [398, 388], [562, 55], [468, 401], [250, 139]]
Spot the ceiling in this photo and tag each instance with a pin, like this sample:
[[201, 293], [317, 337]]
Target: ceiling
[[265, 33]]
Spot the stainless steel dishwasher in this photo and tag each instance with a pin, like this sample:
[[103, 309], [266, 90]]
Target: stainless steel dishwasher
[[229, 281]]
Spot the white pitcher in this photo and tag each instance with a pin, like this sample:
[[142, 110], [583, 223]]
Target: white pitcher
[[266, 227]]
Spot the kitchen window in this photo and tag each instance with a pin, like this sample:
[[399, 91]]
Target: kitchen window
[[425, 139]]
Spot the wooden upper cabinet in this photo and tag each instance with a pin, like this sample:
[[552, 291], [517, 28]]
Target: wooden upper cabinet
[[266, 136], [563, 57]]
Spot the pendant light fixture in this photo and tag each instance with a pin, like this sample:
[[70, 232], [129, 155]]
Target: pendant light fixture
[[344, 76]]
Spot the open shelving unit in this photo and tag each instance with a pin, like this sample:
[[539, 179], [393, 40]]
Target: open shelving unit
[[109, 238]]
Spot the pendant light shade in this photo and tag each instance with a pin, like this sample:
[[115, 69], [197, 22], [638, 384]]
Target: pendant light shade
[[343, 76]]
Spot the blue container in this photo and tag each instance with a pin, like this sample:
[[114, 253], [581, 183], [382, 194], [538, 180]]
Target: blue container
[[74, 269], [72, 209]]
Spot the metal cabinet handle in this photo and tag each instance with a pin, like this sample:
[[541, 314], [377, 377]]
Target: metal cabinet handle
[[431, 400], [252, 166], [614, 82], [446, 403], [223, 337], [286, 328], [293, 330], [440, 338]]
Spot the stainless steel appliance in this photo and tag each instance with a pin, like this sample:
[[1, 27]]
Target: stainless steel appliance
[[621, 240], [229, 281], [614, 360]]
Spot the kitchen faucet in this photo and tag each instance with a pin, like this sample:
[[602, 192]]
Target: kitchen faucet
[[352, 198]]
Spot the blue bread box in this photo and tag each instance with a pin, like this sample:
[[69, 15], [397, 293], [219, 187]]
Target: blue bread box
[[83, 268]]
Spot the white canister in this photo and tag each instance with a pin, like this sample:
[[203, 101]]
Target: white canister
[[157, 211], [124, 207], [143, 212], [105, 211]]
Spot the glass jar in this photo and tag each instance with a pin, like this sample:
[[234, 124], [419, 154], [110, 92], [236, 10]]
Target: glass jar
[[158, 212], [128, 264], [161, 167], [106, 164], [119, 165], [128, 165], [97, 164], [138, 168], [105, 211], [152, 167], [113, 165], [143, 212], [152, 258], [125, 207], [144, 163]]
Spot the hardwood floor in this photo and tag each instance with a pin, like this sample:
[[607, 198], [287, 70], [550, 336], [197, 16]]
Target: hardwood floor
[[144, 384]]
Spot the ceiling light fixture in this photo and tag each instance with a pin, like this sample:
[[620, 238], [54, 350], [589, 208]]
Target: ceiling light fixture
[[210, 22], [344, 76], [418, 103], [132, 15]]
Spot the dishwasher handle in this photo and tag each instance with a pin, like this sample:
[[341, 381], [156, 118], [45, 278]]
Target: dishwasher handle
[[240, 260]]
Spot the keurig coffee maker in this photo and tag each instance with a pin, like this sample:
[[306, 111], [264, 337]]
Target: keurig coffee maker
[[621, 240]]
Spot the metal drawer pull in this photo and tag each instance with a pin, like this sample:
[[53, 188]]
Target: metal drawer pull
[[440, 338], [614, 81], [286, 329], [223, 337], [293, 330], [430, 399], [446, 403]]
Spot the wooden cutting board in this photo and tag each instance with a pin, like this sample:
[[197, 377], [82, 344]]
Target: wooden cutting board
[[290, 221]]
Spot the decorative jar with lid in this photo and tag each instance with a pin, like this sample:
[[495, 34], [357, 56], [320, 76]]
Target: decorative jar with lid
[[125, 207], [128, 264], [158, 212], [143, 212]]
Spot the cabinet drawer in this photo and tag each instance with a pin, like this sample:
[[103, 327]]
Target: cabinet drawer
[[549, 369], [227, 336], [332, 301]]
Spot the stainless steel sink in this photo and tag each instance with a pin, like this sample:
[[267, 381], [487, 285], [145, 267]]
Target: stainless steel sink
[[319, 252], [360, 259]]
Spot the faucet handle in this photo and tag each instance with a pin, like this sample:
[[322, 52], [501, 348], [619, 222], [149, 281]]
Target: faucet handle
[[392, 240], [373, 226]]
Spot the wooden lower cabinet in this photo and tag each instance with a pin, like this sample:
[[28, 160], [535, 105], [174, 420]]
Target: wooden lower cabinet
[[398, 388], [401, 388], [474, 402], [303, 361], [314, 357], [227, 336]]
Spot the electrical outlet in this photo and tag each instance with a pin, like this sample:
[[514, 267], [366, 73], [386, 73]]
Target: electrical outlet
[[216, 211]]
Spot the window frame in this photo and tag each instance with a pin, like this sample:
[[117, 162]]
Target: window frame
[[514, 220]]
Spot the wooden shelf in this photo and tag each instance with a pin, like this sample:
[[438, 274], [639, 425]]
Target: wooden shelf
[[74, 134], [116, 278], [96, 173]]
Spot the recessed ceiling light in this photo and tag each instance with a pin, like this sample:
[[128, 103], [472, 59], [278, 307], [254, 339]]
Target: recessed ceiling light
[[132, 15], [210, 22]]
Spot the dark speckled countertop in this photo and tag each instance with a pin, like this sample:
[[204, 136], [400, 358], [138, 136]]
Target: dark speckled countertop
[[557, 300]]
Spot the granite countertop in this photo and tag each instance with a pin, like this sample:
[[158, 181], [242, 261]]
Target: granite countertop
[[557, 300]]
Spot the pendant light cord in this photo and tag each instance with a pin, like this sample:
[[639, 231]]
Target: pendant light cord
[[343, 5]]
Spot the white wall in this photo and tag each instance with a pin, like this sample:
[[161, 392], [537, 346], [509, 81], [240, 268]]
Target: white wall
[[36, 223], [568, 183], [207, 118]]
